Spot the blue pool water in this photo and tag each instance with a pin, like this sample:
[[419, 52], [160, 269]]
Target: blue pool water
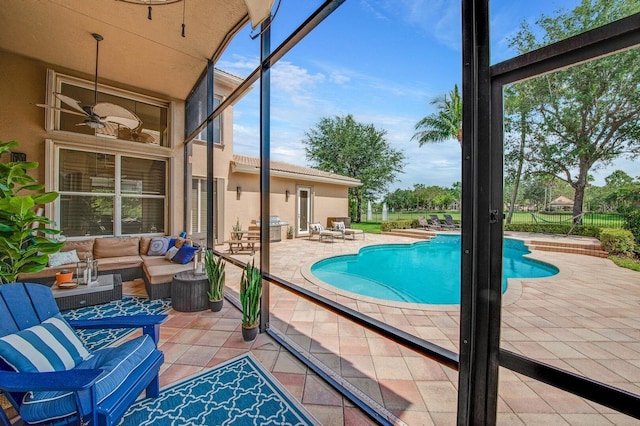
[[424, 272]]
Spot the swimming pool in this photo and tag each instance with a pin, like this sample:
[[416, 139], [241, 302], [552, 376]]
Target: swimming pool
[[424, 272]]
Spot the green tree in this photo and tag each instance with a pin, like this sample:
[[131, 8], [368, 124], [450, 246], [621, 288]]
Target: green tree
[[342, 145], [518, 107], [588, 115], [445, 123]]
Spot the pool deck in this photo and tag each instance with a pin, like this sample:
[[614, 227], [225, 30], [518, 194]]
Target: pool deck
[[585, 319]]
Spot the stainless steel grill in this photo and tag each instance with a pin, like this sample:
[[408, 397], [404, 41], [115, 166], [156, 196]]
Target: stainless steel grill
[[275, 228]]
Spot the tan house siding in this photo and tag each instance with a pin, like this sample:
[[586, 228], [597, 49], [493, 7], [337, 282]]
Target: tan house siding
[[23, 84]]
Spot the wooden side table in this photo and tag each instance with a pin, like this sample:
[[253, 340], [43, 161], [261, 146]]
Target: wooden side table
[[189, 292]]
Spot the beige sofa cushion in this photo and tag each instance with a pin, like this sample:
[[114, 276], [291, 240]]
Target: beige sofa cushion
[[84, 248], [116, 247], [145, 242], [120, 262], [159, 270]]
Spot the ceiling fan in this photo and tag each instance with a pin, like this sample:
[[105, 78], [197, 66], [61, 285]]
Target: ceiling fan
[[100, 113]]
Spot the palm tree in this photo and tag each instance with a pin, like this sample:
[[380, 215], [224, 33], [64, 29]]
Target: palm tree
[[444, 124]]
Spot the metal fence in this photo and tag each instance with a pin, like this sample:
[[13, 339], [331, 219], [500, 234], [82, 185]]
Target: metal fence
[[602, 220]]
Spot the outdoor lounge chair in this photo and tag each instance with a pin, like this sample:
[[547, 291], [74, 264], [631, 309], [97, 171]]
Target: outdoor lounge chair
[[448, 220], [323, 233], [439, 225], [340, 226], [424, 223], [48, 375]]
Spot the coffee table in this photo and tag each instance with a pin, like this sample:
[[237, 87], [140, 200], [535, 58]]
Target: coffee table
[[105, 289]]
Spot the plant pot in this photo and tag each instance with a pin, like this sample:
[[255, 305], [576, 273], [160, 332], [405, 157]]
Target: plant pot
[[216, 305], [64, 278], [249, 333]]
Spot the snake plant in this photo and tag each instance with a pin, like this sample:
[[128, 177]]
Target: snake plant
[[214, 266], [250, 294]]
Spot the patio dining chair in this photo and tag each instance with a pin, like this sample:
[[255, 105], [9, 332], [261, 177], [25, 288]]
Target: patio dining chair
[[49, 377]]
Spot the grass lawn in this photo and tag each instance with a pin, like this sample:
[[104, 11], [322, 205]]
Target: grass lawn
[[626, 262], [368, 227]]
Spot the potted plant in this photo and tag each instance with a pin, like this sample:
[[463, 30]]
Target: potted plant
[[290, 232], [237, 228], [250, 294], [22, 249], [214, 266]]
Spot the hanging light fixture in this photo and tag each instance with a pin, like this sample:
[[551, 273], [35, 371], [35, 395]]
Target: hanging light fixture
[[151, 3]]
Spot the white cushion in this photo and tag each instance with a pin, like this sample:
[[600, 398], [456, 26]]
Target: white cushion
[[49, 346], [338, 226], [171, 252], [63, 257]]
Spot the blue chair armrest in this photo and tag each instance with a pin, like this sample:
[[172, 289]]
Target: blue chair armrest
[[150, 324], [70, 380], [123, 321]]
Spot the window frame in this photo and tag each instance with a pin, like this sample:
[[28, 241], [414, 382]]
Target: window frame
[[55, 80], [53, 210]]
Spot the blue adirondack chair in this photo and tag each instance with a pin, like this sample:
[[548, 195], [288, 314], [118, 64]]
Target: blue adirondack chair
[[48, 375]]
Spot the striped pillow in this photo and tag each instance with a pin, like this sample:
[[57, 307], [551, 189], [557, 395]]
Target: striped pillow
[[49, 346]]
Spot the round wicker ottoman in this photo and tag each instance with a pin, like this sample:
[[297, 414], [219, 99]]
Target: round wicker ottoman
[[189, 292]]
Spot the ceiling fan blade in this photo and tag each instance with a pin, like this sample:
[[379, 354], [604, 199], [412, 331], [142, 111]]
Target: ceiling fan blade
[[71, 102], [68, 111], [116, 114]]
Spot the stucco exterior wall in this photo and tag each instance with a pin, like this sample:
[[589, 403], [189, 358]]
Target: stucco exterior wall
[[23, 84]]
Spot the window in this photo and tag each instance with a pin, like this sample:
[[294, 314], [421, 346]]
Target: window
[[196, 112], [217, 127], [110, 194], [152, 113], [199, 206]]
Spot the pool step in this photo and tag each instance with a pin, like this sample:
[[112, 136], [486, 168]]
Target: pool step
[[562, 247], [411, 233]]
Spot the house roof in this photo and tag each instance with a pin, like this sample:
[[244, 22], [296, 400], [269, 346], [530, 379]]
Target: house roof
[[561, 201], [247, 164], [136, 52]]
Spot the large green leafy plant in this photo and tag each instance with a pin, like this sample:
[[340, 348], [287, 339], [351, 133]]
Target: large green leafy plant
[[25, 244], [250, 293]]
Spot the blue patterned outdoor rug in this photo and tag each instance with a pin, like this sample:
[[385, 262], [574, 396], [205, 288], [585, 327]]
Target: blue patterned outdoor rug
[[128, 305], [237, 392]]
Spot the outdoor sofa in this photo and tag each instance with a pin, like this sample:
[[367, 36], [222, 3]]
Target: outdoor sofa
[[131, 257]]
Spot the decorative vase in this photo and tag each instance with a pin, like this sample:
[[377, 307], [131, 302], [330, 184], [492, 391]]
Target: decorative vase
[[249, 333], [216, 305]]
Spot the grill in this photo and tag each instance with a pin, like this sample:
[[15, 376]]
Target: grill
[[275, 228]]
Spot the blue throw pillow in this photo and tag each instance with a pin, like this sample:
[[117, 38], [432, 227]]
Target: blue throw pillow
[[158, 246], [49, 346], [185, 254], [172, 242]]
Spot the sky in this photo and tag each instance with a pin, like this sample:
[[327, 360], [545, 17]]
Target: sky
[[383, 61]]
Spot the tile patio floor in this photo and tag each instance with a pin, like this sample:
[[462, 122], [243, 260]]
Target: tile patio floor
[[586, 319]]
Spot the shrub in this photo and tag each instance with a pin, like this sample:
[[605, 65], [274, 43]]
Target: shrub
[[555, 228], [632, 223], [617, 241], [398, 224]]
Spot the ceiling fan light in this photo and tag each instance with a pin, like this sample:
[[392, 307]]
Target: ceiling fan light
[[94, 124], [259, 11]]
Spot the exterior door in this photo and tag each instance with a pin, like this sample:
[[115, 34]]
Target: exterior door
[[304, 210]]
